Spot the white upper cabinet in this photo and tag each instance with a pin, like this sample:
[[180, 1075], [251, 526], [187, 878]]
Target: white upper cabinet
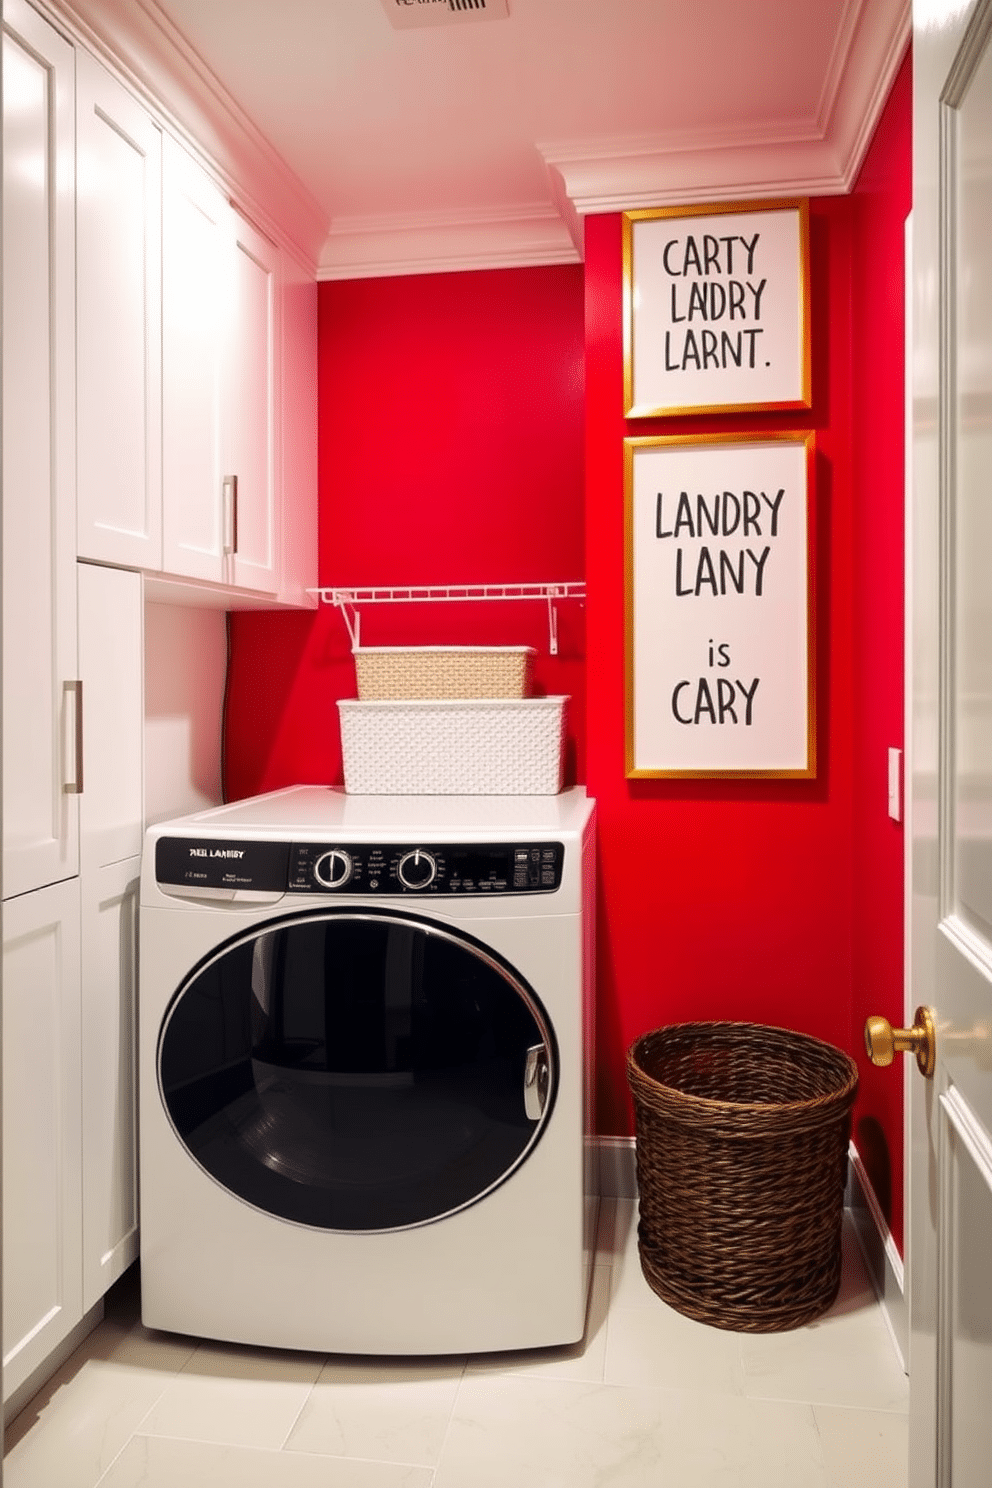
[[197, 305], [119, 352], [254, 386], [192, 455], [41, 697], [220, 317]]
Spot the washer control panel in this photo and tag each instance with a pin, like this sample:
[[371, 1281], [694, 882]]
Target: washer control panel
[[434, 868], [360, 868]]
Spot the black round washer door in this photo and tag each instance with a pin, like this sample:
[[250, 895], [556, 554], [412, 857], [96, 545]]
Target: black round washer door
[[357, 1070]]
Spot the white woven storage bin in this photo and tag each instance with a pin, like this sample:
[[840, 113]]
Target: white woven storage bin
[[481, 747], [412, 672]]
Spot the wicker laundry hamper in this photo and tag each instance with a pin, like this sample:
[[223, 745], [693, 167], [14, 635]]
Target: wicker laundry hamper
[[742, 1134]]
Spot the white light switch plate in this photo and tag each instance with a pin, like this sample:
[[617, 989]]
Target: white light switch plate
[[895, 784]]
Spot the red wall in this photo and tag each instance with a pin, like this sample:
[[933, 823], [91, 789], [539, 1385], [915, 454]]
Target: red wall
[[453, 434], [721, 899], [450, 452]]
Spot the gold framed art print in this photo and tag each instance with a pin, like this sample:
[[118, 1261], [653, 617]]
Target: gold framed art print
[[719, 609], [716, 309]]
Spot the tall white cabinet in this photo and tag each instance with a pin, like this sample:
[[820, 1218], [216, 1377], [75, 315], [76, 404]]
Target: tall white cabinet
[[159, 429], [72, 788], [42, 1266]]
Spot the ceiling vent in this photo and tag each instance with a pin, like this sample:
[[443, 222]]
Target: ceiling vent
[[405, 14]]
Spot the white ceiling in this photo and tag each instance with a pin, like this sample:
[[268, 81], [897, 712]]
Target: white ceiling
[[486, 141]]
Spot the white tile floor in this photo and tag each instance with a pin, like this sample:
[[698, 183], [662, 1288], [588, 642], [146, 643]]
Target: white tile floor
[[648, 1400]]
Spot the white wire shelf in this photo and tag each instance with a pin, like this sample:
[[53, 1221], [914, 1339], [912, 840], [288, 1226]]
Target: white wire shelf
[[349, 601]]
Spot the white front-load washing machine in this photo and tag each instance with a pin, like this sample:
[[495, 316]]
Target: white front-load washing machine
[[364, 1071]]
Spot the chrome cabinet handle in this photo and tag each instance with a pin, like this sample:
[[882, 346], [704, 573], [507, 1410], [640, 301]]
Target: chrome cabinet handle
[[74, 787], [230, 488], [537, 1077]]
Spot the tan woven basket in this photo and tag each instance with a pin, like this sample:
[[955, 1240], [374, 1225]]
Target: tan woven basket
[[408, 672], [742, 1136]]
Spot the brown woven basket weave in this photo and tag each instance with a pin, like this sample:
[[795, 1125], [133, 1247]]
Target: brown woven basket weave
[[742, 1135]]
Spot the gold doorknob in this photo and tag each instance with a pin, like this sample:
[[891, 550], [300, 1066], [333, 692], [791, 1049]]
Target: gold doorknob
[[883, 1042]]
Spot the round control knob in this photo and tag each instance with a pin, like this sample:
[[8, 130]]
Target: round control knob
[[417, 869], [333, 869]]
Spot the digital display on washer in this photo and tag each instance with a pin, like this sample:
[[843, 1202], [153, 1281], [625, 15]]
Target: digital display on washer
[[206, 864]]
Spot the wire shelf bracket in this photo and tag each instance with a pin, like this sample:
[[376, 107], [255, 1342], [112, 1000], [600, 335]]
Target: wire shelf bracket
[[350, 601]]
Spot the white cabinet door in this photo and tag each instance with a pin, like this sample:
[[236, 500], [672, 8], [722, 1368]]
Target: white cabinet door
[[197, 305], [39, 604], [119, 354], [254, 391], [298, 432], [220, 348], [111, 661], [42, 1283], [109, 1065], [111, 656]]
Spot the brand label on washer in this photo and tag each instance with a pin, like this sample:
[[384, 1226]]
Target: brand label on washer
[[262, 866]]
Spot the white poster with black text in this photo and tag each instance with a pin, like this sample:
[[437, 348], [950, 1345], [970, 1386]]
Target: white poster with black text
[[719, 641]]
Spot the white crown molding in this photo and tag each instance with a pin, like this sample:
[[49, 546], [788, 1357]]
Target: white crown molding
[[138, 42], [865, 78], [432, 243], [817, 157], [673, 176]]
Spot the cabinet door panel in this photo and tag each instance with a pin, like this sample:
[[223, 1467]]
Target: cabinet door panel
[[109, 1096], [39, 620], [42, 1287], [111, 659], [253, 383], [119, 353], [298, 434], [197, 306], [111, 656]]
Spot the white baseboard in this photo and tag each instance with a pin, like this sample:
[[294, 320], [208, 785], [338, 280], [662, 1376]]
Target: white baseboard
[[885, 1264]]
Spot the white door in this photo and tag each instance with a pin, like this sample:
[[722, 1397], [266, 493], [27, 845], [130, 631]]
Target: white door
[[950, 1233], [40, 699]]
